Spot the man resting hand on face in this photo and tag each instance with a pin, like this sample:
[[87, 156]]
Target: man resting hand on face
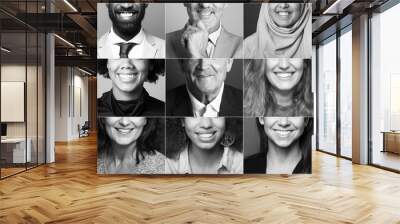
[[203, 35]]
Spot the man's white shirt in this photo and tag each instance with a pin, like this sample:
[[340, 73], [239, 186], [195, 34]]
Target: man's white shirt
[[209, 110]]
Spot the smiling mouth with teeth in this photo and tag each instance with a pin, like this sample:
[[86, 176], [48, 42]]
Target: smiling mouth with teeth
[[127, 77], [124, 131], [283, 13], [283, 133], [284, 75], [206, 136], [205, 12], [126, 14]]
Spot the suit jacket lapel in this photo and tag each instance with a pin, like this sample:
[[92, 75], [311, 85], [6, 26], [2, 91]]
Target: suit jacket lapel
[[149, 48], [221, 45], [183, 107], [226, 107]]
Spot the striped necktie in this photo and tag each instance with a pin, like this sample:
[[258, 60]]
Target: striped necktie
[[210, 48]]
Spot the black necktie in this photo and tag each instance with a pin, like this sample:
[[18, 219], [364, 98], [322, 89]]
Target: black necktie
[[124, 49]]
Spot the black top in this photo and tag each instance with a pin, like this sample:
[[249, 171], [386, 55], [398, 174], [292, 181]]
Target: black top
[[146, 105], [178, 102], [257, 163]]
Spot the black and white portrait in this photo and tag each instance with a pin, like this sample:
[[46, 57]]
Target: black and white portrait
[[204, 146], [284, 145], [283, 30], [204, 30], [131, 145], [277, 87], [121, 88], [209, 87], [130, 30]]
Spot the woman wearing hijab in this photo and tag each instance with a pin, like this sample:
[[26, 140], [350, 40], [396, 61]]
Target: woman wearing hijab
[[283, 31]]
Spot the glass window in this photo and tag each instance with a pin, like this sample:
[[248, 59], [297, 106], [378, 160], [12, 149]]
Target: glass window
[[346, 93], [385, 89], [327, 96]]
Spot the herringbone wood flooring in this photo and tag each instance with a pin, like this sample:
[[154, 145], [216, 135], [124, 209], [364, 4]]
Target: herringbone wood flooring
[[70, 191]]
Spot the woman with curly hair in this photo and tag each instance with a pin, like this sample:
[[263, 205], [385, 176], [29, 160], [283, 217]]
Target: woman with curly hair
[[283, 31], [285, 146], [278, 87], [128, 97], [204, 145], [130, 145]]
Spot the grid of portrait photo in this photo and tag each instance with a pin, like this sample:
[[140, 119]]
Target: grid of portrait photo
[[204, 88]]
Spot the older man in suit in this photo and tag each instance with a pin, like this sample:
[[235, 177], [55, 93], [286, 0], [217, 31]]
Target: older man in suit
[[203, 35], [205, 93], [126, 38]]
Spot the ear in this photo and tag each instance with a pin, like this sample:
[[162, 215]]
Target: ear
[[186, 5], [145, 5], [145, 121], [261, 120], [229, 64], [182, 122]]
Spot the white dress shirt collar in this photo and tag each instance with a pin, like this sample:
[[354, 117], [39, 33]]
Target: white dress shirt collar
[[115, 39], [209, 110], [214, 35]]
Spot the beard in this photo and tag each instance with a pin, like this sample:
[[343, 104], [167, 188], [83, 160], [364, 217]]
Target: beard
[[127, 27]]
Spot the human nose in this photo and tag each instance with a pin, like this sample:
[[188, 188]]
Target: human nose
[[203, 64], [283, 5], [124, 121], [284, 63], [205, 5], [126, 64], [205, 122], [283, 122]]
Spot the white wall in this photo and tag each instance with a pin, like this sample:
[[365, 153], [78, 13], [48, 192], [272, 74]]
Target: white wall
[[67, 115]]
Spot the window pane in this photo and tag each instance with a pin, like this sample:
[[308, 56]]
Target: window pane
[[385, 78], [327, 96], [346, 94]]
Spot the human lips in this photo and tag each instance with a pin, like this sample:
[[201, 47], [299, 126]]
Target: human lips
[[283, 13], [205, 12], [127, 76], [284, 75], [124, 130], [126, 14], [283, 133], [206, 136], [203, 74]]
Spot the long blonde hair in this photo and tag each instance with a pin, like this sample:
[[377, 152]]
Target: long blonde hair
[[258, 97]]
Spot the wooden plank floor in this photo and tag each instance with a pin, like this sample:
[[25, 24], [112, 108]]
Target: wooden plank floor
[[70, 191]]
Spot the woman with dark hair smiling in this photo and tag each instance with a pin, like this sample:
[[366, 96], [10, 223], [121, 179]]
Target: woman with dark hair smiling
[[278, 87], [283, 31], [285, 146], [128, 97], [130, 145], [204, 145]]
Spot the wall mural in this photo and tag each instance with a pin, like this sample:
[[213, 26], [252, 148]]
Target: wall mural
[[204, 88]]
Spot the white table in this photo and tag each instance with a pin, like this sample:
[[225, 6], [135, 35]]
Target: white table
[[18, 149]]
